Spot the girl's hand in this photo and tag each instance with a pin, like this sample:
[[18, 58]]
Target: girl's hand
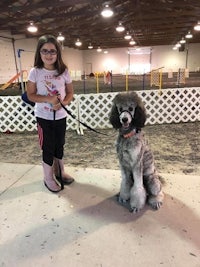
[[51, 99], [57, 106], [54, 101]]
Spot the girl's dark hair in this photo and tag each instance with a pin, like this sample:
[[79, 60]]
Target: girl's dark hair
[[59, 64]]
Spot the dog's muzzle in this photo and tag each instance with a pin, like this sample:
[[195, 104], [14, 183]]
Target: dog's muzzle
[[125, 118]]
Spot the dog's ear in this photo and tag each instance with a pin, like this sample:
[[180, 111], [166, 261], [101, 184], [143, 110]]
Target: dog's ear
[[114, 117], [139, 116]]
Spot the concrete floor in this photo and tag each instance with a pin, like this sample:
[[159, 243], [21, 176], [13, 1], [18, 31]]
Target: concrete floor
[[84, 226]]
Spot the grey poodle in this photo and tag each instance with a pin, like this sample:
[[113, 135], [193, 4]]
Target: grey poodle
[[140, 182]]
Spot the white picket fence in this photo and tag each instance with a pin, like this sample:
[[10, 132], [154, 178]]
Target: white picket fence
[[172, 106]]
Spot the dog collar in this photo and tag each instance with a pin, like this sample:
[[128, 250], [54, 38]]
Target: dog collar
[[132, 133], [129, 135]]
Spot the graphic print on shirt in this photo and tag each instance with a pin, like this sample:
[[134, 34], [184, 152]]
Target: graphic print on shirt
[[51, 88]]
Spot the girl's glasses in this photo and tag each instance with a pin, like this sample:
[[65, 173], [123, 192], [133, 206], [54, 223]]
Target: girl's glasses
[[52, 52]]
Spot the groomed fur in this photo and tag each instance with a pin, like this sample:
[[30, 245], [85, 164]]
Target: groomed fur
[[140, 182]]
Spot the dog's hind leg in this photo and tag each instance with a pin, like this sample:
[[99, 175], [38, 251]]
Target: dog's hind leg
[[154, 190], [156, 201], [152, 184]]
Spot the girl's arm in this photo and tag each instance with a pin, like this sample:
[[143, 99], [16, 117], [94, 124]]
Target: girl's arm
[[34, 97], [69, 94]]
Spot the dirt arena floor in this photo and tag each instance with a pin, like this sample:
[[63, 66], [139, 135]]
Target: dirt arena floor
[[176, 148]]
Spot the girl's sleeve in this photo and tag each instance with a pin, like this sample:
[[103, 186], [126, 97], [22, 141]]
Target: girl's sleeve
[[31, 76], [67, 77]]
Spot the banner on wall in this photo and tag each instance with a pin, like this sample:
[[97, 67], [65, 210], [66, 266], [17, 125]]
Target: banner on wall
[[139, 60]]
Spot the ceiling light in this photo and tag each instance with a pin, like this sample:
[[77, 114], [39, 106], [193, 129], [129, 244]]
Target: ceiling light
[[105, 52], [78, 42], [132, 42], [189, 35], [175, 48], [127, 36], [32, 27], [182, 41], [178, 45], [60, 37], [90, 46], [120, 27], [197, 27], [107, 12], [99, 49]]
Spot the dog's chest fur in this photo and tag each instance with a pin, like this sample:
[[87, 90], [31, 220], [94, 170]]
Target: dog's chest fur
[[130, 149]]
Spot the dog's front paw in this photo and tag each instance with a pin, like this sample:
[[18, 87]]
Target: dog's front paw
[[122, 200], [134, 209], [138, 199]]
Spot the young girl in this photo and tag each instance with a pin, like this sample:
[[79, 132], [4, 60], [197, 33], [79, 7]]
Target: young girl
[[49, 84]]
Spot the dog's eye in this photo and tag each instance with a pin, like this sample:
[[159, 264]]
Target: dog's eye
[[130, 109], [120, 109]]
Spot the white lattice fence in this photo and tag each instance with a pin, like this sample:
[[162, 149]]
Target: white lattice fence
[[172, 106], [15, 116], [18, 116], [94, 109]]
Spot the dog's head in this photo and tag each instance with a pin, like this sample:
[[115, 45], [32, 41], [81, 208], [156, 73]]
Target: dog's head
[[127, 112]]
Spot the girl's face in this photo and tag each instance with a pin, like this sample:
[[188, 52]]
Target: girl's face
[[48, 55]]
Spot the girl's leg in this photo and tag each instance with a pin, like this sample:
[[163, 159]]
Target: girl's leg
[[46, 138], [60, 173], [49, 181], [60, 131]]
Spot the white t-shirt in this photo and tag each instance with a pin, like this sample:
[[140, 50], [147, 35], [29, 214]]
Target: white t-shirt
[[48, 84]]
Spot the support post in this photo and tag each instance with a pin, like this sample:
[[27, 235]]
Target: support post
[[20, 68]]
